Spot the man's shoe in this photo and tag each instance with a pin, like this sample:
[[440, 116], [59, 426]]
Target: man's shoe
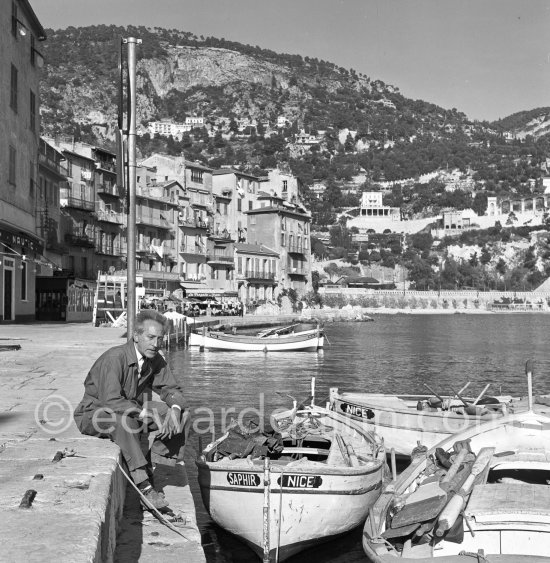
[[155, 499]]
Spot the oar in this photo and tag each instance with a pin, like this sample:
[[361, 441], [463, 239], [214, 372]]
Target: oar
[[465, 387], [482, 393], [459, 396], [455, 506], [433, 392]]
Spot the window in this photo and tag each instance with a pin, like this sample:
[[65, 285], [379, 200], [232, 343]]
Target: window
[[32, 115], [13, 89], [240, 265], [239, 204], [249, 206], [14, 19], [285, 185], [11, 166], [33, 51], [196, 176], [23, 281], [282, 239], [31, 182]]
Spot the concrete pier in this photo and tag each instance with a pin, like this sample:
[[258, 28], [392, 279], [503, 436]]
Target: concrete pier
[[79, 502]]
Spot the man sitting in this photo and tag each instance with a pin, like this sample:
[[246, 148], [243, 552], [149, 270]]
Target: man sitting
[[114, 404]]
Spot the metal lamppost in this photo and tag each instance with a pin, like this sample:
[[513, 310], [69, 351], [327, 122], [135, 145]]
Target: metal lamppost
[[126, 158]]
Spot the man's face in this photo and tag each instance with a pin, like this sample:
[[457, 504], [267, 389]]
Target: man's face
[[149, 341]]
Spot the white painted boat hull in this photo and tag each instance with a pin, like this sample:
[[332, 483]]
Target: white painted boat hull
[[308, 341], [307, 516], [310, 501], [402, 427], [510, 522]]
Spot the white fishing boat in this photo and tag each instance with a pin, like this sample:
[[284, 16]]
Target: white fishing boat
[[404, 421], [304, 341], [481, 495], [320, 481]]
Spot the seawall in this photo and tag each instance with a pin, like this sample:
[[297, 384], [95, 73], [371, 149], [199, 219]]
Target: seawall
[[79, 499]]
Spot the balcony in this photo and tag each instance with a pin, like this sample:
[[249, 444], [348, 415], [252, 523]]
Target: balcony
[[52, 165], [109, 216], [109, 249], [152, 221], [297, 272], [220, 259], [79, 239], [145, 248], [108, 189], [296, 248], [77, 203], [193, 223], [107, 165], [259, 275], [222, 236], [154, 193]]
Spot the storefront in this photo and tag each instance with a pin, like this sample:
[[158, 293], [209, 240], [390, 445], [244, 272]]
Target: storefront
[[20, 256]]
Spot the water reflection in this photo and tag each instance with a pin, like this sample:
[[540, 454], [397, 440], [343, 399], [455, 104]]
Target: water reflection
[[395, 354]]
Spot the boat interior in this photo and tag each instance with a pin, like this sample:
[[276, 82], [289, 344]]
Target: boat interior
[[460, 500], [302, 437]]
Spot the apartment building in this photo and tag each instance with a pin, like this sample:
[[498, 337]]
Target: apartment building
[[195, 222], [256, 272], [157, 218], [242, 190], [21, 247], [52, 176], [284, 227], [282, 183]]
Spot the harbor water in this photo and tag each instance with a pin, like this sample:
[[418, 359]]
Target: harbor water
[[394, 354]]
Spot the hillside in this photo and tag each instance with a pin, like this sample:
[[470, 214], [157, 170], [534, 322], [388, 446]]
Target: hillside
[[361, 123]]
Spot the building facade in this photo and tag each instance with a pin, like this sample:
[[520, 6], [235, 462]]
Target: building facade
[[285, 228], [21, 247]]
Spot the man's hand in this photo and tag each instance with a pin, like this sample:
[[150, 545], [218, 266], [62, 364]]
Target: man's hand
[[172, 424]]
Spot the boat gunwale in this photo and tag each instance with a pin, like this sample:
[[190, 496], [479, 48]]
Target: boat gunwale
[[408, 476], [410, 412]]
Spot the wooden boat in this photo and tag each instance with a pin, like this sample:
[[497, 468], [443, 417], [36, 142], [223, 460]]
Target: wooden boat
[[305, 341], [322, 480], [489, 501], [404, 421]]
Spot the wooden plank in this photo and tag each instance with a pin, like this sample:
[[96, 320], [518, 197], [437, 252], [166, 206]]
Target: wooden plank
[[424, 504], [296, 450]]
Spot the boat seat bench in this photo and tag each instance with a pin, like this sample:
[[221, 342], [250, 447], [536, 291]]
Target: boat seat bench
[[509, 501], [305, 451]]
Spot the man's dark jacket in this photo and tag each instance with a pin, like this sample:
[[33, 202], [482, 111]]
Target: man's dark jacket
[[112, 383]]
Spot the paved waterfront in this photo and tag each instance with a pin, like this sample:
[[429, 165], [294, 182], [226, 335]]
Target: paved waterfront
[[79, 498]]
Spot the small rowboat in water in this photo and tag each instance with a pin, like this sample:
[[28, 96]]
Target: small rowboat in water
[[481, 495], [404, 421], [324, 475], [304, 341]]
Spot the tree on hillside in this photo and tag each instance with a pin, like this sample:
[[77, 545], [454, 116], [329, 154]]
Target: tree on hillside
[[479, 205], [340, 236]]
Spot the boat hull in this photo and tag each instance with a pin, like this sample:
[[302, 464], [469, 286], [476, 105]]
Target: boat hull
[[307, 511], [402, 426], [309, 341], [508, 520]]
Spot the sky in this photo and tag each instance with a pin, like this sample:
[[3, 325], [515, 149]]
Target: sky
[[486, 58]]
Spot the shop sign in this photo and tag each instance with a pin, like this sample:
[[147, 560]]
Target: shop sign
[[13, 239]]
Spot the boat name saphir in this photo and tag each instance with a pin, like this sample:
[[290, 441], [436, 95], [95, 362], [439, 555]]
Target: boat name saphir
[[245, 479]]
